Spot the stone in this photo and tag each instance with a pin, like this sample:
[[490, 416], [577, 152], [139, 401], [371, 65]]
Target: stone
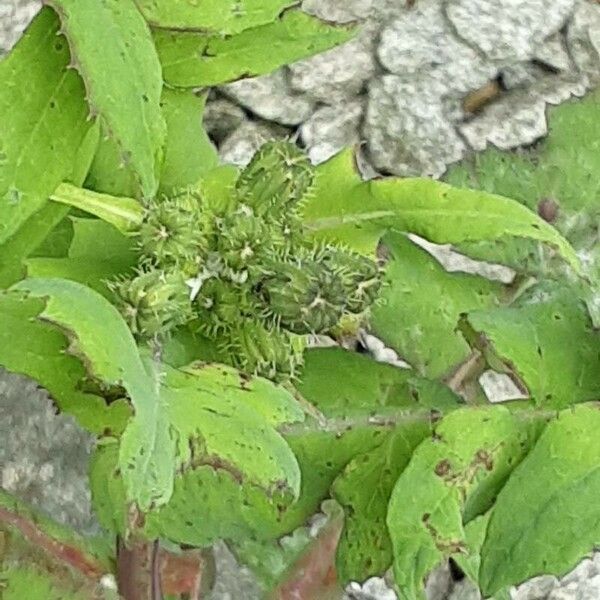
[[221, 118], [15, 15], [407, 128], [454, 261], [537, 588], [521, 74], [519, 117], [233, 581], [439, 583], [507, 30], [464, 590], [583, 38], [499, 387], [553, 53], [330, 129], [241, 145], [374, 588], [584, 589], [333, 76], [44, 456], [270, 97], [421, 42], [584, 570]]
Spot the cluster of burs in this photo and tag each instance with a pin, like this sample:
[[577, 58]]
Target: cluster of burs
[[241, 271]]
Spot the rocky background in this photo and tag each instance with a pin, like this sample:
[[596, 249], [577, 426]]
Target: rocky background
[[424, 83]]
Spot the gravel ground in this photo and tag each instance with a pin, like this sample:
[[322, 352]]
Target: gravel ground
[[406, 87]]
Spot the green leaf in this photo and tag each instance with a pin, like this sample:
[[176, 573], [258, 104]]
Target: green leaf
[[221, 17], [189, 152], [46, 231], [343, 383], [99, 253], [28, 582], [420, 306], [99, 334], [192, 59], [323, 447], [547, 516], [561, 169], [475, 531], [549, 344], [42, 123], [451, 478], [233, 468], [37, 349], [108, 173], [122, 79], [345, 208], [124, 213], [364, 489]]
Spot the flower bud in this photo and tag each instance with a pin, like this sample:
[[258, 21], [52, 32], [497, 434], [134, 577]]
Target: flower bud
[[153, 303], [172, 233], [268, 352], [305, 297], [276, 179], [359, 274]]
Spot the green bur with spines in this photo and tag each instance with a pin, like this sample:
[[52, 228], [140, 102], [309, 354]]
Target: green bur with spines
[[246, 276]]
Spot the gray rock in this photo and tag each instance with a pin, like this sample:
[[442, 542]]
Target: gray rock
[[519, 118], [233, 581], [374, 588], [537, 588], [330, 129], [337, 74], [507, 30], [241, 145], [439, 583], [421, 42], [221, 118], [583, 38], [585, 589], [584, 570], [499, 387], [44, 456], [553, 53], [464, 590], [15, 15], [522, 74], [270, 97], [407, 129]]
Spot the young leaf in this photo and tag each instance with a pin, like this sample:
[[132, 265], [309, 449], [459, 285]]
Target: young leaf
[[550, 345], [122, 79], [38, 350], [359, 212], [546, 517], [189, 152], [421, 305], [192, 59], [101, 337], [42, 123], [219, 17], [451, 478], [124, 213]]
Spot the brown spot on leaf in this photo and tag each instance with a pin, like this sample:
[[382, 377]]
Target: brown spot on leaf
[[442, 468], [548, 209]]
